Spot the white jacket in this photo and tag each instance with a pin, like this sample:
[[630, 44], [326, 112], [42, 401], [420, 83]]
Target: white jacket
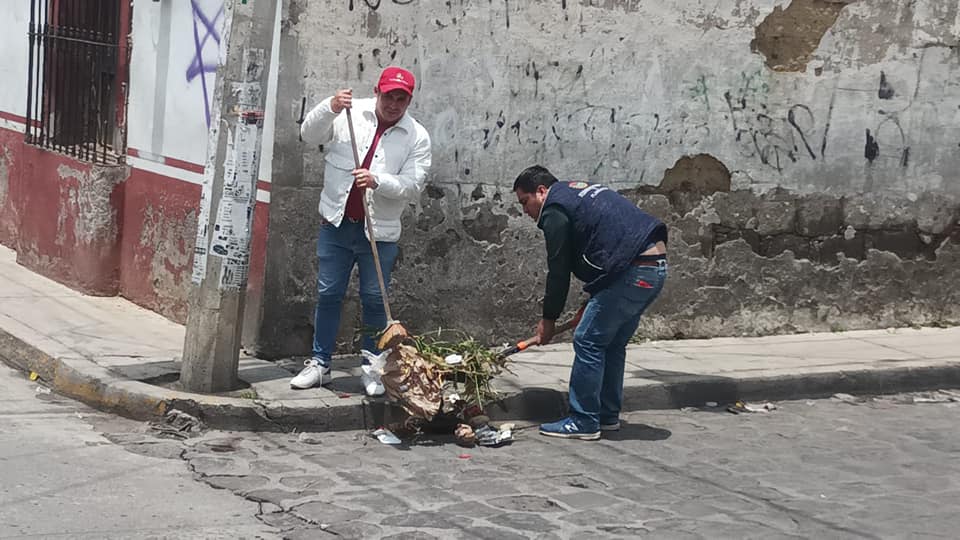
[[400, 162]]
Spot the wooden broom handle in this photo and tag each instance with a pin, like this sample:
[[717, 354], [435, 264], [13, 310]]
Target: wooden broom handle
[[367, 205]]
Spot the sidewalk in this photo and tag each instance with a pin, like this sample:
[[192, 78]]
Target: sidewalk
[[106, 352]]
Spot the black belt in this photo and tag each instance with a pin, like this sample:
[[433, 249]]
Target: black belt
[[649, 260]]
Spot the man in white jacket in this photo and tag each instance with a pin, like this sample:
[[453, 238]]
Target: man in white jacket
[[395, 150]]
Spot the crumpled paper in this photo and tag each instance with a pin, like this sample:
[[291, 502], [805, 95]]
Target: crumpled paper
[[412, 381]]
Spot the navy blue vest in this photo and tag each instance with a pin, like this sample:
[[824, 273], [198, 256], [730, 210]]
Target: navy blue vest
[[609, 230]]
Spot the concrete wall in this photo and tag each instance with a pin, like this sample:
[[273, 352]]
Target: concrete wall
[[804, 152]]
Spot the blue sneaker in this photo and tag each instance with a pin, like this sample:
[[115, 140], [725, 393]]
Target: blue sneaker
[[568, 429]]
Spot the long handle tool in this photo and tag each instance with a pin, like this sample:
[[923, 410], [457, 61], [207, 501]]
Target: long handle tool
[[394, 329]]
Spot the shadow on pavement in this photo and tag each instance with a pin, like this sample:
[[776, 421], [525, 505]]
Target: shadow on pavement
[[637, 432]]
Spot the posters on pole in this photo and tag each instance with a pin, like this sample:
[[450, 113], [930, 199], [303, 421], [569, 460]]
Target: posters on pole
[[234, 219], [203, 222]]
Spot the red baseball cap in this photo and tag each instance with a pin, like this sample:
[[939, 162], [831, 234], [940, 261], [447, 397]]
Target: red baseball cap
[[394, 78]]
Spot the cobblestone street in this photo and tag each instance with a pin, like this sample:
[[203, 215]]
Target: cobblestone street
[[878, 468], [817, 469], [249, 248]]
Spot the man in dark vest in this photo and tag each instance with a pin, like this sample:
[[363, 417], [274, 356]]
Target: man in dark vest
[[619, 252]]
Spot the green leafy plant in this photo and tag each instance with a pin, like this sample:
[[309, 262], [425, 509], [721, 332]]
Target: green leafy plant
[[472, 377]]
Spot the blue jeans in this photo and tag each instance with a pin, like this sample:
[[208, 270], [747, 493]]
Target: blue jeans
[[600, 344], [338, 249]]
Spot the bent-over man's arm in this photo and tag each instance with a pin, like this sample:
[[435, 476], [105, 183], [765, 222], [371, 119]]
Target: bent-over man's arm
[[558, 233]]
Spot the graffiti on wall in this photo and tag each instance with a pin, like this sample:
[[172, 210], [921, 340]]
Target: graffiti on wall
[[207, 21], [749, 119], [375, 4], [617, 111], [615, 135], [794, 133]]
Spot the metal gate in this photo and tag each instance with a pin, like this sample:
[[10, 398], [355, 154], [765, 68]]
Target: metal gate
[[76, 77]]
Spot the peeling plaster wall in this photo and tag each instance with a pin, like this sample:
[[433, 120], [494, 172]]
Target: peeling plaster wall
[[157, 244], [782, 262], [69, 220], [11, 145], [159, 228], [771, 135], [87, 195], [6, 159]]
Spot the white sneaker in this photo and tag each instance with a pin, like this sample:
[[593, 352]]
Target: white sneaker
[[313, 374], [372, 384]]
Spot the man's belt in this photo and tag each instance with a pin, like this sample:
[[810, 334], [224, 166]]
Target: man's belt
[[650, 260]]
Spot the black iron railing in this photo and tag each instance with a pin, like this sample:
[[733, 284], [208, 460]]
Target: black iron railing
[[74, 96]]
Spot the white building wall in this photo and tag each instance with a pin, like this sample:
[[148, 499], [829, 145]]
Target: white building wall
[[14, 25], [176, 48]]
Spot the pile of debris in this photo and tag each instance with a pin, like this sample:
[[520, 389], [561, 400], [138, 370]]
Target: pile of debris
[[430, 377]]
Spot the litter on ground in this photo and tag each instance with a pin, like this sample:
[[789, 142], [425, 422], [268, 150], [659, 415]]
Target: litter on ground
[[178, 425], [847, 398], [744, 407], [386, 436], [309, 438]]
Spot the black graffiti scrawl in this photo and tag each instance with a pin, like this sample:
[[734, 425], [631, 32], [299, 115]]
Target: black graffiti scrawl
[[871, 149], [885, 91], [375, 4]]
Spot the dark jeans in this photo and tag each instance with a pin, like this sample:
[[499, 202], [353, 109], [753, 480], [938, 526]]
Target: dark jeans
[[338, 250], [600, 342]]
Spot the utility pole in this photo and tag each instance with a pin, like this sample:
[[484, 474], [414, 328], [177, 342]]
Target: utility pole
[[221, 257]]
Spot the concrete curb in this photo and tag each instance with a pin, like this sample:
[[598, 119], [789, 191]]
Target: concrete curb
[[85, 381], [89, 383], [696, 390]]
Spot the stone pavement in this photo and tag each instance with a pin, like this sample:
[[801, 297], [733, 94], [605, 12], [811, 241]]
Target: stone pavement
[[853, 468], [118, 357], [61, 479]]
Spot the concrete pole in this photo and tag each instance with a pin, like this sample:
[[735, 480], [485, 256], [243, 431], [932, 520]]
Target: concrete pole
[[221, 257]]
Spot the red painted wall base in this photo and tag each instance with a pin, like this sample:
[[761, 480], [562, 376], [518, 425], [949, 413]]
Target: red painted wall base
[[109, 230], [70, 220]]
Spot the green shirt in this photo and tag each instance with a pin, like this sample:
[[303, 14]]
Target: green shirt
[[561, 256]]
